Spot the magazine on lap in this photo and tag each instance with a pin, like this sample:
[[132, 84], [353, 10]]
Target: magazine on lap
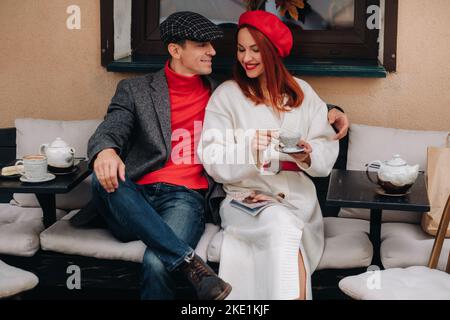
[[247, 204]]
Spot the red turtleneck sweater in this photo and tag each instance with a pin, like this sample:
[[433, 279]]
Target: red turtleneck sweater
[[188, 99]]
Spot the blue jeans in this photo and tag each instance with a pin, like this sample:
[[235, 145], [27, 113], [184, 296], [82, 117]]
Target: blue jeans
[[169, 219]]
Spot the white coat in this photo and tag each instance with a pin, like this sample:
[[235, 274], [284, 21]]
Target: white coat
[[259, 255]]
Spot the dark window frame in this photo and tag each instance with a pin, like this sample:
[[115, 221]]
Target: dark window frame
[[359, 43]]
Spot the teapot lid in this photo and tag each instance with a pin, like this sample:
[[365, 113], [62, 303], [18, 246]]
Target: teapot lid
[[59, 143], [396, 161]]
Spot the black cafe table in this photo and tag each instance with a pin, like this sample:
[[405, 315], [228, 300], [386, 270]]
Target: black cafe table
[[352, 189], [46, 191]]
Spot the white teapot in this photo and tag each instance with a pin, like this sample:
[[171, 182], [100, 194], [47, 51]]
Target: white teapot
[[58, 153], [394, 176]]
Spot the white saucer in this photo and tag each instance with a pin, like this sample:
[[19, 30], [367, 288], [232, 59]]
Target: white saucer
[[49, 177], [291, 150], [384, 193]]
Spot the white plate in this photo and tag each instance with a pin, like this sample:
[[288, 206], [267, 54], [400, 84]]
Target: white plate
[[49, 177], [291, 150]]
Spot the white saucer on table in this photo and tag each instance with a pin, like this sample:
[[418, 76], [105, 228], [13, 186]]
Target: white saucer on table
[[49, 177]]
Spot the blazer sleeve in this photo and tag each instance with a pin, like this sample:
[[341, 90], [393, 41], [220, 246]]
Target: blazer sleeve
[[117, 125]]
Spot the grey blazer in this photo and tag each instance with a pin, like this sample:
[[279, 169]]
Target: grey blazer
[[137, 124]]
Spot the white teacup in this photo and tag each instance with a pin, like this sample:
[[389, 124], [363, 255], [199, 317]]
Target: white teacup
[[34, 167], [289, 139]]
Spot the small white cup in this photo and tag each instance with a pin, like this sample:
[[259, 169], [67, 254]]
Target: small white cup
[[289, 139], [34, 167]]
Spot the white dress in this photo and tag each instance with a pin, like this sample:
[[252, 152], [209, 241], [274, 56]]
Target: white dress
[[259, 255]]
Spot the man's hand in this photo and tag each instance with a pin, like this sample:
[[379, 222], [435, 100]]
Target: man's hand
[[106, 167], [340, 121]]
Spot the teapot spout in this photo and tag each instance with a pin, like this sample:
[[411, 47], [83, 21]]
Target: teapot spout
[[412, 173], [414, 169]]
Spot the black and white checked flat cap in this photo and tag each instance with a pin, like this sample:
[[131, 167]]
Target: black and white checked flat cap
[[187, 25]]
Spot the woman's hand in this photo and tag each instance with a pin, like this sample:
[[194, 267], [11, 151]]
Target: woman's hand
[[261, 141], [257, 197], [305, 155]]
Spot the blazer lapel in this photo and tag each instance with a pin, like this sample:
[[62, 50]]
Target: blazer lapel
[[161, 103]]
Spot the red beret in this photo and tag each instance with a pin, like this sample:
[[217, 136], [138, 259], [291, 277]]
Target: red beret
[[272, 27]]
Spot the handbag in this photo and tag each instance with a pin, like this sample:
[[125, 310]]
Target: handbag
[[438, 186]]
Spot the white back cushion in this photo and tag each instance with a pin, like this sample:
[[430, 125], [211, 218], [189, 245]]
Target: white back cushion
[[31, 133], [368, 143]]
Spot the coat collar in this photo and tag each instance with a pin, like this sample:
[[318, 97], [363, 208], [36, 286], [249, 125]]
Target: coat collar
[[161, 103]]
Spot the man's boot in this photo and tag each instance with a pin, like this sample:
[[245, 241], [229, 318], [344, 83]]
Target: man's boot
[[204, 280]]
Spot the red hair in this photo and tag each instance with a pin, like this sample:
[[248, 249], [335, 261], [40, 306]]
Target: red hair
[[279, 81]]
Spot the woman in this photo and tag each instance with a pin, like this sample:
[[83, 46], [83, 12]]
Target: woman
[[270, 255]]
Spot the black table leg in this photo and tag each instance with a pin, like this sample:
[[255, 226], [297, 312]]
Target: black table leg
[[375, 235], [48, 205]]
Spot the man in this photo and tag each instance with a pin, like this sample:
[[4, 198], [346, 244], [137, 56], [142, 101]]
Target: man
[[142, 190]]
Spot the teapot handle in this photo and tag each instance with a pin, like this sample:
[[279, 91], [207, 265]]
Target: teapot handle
[[369, 166], [43, 148], [72, 150]]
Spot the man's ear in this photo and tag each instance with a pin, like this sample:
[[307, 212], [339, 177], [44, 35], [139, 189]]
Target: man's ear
[[174, 50]]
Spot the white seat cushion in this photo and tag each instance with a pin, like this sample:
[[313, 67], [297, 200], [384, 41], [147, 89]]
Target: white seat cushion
[[31, 133], [368, 143], [202, 246], [388, 215], [413, 283], [404, 245], [20, 229], [346, 244], [98, 243], [14, 280], [215, 246]]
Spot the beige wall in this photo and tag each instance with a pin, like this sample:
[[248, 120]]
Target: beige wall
[[48, 71]]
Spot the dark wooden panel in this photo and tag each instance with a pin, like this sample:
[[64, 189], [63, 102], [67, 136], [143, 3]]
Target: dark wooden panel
[[7, 137], [7, 155], [5, 197], [107, 31], [390, 35], [323, 182]]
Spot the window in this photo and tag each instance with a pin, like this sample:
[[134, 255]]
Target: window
[[327, 30]]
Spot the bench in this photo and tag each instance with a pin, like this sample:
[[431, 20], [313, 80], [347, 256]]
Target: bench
[[111, 269]]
